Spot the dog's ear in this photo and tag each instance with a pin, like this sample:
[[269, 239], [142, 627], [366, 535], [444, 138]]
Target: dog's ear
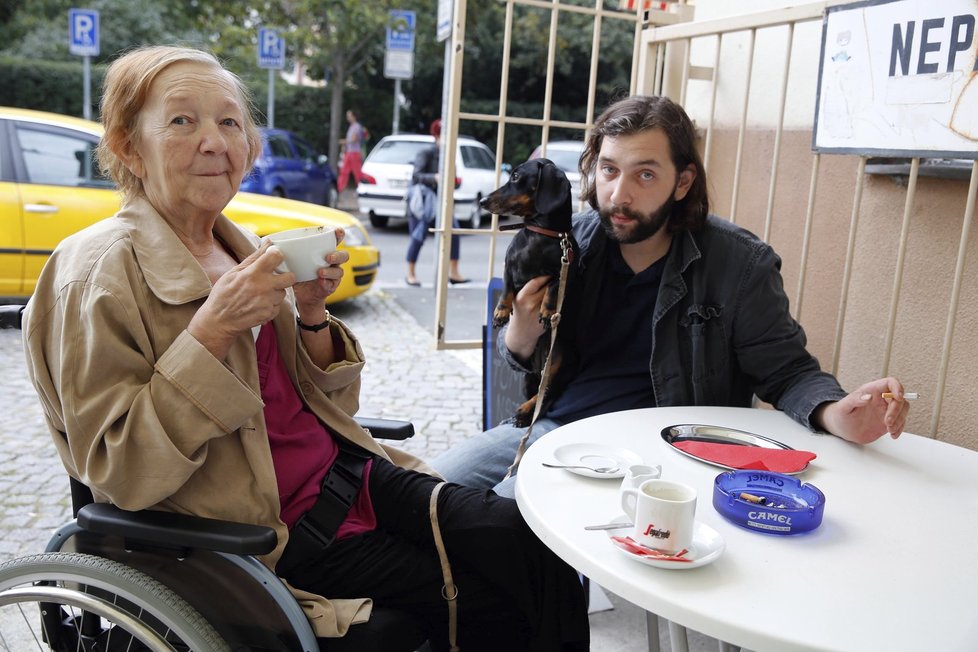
[[553, 188]]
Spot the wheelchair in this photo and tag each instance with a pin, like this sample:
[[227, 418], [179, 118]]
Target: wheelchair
[[113, 580]]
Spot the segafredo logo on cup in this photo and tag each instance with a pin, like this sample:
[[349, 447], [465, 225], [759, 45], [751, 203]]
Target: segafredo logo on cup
[[650, 531]]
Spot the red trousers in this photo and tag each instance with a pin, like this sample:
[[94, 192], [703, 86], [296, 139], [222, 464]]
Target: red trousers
[[352, 164]]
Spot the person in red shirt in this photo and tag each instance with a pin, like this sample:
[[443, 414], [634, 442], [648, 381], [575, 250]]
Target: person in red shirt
[[353, 146]]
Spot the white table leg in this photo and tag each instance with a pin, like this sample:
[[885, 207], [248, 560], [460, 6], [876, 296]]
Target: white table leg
[[726, 647], [652, 631], [677, 636]]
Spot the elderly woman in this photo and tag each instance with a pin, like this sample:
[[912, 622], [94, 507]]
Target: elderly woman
[[179, 371]]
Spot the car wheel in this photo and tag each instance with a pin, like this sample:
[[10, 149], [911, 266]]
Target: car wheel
[[332, 196], [475, 215], [378, 221], [278, 192]]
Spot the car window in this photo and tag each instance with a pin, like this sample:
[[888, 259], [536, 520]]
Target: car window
[[305, 151], [488, 158], [59, 159], [564, 159], [397, 151], [279, 146], [477, 158]]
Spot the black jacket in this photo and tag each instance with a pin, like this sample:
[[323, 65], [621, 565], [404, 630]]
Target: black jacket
[[721, 331]]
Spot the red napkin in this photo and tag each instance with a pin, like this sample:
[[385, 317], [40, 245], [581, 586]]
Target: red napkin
[[778, 460]]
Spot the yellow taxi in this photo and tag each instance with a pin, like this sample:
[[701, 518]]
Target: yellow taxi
[[50, 187]]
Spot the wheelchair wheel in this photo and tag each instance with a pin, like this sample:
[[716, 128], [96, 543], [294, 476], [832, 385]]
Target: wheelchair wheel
[[73, 601]]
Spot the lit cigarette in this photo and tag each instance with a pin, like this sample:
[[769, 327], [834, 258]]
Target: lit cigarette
[[751, 498], [907, 396]]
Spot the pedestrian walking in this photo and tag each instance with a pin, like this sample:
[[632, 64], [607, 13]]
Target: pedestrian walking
[[353, 146]]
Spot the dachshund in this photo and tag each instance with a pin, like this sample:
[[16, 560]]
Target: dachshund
[[540, 194]]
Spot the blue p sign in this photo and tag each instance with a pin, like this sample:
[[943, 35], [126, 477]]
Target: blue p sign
[[83, 32], [271, 49]]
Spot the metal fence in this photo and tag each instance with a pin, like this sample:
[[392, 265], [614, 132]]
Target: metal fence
[[505, 118], [663, 64]]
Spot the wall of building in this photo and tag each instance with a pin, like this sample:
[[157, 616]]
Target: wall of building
[[933, 240]]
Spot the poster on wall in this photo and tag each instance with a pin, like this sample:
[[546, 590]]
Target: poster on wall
[[899, 78]]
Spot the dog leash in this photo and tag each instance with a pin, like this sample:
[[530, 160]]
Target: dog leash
[[449, 590], [566, 257]]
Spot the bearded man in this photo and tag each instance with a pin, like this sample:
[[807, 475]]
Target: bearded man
[[675, 306]]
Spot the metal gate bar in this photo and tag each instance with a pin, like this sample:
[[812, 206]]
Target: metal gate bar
[[450, 130], [952, 310]]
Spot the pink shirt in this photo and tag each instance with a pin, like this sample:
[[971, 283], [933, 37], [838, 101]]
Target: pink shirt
[[303, 448]]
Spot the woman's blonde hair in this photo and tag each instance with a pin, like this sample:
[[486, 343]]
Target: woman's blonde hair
[[127, 85]]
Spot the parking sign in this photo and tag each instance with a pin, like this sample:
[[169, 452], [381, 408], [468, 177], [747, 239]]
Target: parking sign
[[83, 32], [400, 32], [271, 49]]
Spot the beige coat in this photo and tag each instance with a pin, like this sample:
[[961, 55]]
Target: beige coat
[[144, 415]]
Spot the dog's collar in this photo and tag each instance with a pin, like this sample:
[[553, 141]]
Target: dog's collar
[[532, 227], [563, 236]]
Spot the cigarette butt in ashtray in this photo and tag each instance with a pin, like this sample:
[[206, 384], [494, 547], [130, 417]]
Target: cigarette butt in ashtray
[[751, 498], [907, 396]]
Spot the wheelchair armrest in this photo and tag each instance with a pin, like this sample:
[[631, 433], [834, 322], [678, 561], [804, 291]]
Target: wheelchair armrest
[[10, 316], [387, 428], [171, 530]]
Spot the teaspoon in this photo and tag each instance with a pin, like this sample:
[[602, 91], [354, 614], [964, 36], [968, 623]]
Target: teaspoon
[[600, 469]]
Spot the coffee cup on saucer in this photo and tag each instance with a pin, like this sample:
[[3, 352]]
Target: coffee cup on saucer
[[663, 512]]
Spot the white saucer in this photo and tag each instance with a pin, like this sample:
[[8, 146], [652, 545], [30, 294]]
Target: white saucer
[[596, 455], [707, 546]]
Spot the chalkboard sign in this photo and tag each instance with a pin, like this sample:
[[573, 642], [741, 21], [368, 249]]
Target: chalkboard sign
[[502, 390]]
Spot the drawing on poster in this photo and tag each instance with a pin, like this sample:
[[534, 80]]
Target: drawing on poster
[[897, 77]]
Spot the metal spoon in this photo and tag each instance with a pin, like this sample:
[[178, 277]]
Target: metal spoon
[[600, 469]]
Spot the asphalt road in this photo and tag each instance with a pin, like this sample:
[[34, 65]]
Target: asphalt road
[[393, 243], [466, 309]]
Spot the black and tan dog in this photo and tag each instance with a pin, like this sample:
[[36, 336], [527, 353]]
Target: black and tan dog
[[539, 193]]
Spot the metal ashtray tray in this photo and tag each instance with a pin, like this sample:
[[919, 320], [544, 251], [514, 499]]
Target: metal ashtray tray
[[773, 503]]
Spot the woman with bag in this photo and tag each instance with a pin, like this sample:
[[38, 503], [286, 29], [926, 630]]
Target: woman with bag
[[422, 205]]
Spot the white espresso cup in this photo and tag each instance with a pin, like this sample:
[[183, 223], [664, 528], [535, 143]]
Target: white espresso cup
[[663, 512], [304, 249]]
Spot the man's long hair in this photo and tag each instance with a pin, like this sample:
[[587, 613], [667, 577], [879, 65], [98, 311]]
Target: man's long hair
[[636, 114]]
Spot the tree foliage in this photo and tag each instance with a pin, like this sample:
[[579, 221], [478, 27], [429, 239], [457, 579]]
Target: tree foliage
[[38, 29], [331, 39], [341, 43]]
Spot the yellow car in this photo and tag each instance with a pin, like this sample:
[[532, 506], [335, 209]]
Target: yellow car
[[51, 188]]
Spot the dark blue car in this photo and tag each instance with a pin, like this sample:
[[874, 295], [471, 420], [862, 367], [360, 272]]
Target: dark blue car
[[290, 167]]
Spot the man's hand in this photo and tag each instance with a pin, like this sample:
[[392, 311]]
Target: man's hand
[[864, 415], [525, 327]]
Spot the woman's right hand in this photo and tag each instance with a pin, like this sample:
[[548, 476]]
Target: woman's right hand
[[525, 327], [247, 295]]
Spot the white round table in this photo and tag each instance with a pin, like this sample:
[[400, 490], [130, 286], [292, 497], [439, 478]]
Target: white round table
[[891, 567]]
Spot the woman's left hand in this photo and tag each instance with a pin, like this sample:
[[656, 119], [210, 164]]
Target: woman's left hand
[[312, 294]]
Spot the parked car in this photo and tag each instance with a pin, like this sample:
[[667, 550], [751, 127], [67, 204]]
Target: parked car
[[390, 164], [290, 167], [51, 187], [565, 154]]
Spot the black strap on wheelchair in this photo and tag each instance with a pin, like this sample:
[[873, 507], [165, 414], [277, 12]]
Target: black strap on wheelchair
[[316, 529]]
